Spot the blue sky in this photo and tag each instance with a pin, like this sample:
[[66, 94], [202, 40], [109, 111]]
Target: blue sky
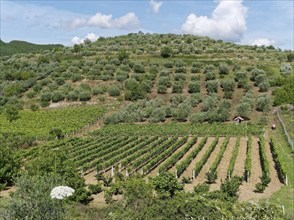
[[257, 22]]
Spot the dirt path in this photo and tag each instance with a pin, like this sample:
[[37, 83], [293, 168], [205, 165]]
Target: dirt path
[[224, 165], [155, 171], [7, 191], [173, 169], [190, 168], [201, 176], [90, 178], [247, 188], [239, 167]]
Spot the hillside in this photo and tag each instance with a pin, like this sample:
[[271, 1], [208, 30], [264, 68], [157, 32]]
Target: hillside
[[173, 77], [15, 47], [142, 126]]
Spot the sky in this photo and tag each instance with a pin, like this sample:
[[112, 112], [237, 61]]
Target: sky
[[252, 22]]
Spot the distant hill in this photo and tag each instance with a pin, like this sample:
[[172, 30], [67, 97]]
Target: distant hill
[[16, 46]]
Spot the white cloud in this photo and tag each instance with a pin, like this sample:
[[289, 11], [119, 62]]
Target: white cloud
[[90, 36], [155, 6], [100, 20], [262, 42], [227, 22], [78, 22], [127, 21], [77, 40]]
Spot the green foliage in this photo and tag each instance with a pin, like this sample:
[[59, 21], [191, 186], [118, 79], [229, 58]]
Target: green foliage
[[137, 193], [95, 188], [114, 91], [11, 113], [67, 119], [233, 158], [194, 87], [223, 69], [285, 94], [9, 164], [123, 55], [278, 160], [231, 186], [56, 133], [133, 90], [15, 47], [166, 52], [263, 103], [32, 198], [166, 185], [201, 188]]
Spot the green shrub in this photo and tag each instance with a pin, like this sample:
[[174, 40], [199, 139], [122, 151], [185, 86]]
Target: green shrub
[[84, 96], [201, 188], [95, 189], [259, 187], [114, 91], [166, 52], [194, 87]]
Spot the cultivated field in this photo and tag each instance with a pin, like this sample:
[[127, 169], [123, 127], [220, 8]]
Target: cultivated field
[[189, 156]]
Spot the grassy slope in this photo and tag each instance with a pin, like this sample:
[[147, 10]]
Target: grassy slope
[[286, 195], [14, 47]]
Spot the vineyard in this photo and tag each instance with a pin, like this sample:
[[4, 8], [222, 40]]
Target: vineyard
[[38, 124], [193, 158]]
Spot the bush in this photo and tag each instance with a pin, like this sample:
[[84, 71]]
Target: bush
[[212, 86], [84, 96], [198, 117], [201, 188], [32, 199], [161, 89], [166, 52], [259, 187], [231, 186], [57, 96], [211, 177], [223, 69], [264, 86], [194, 87], [263, 103], [286, 69], [244, 109], [95, 189], [114, 91], [157, 115], [178, 87]]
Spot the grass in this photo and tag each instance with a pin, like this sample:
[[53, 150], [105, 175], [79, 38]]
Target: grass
[[288, 118], [286, 195]]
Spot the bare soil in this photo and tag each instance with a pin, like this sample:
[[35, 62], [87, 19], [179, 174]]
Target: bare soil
[[173, 169], [190, 168], [224, 165], [7, 191], [201, 176], [239, 167], [155, 171], [247, 188]]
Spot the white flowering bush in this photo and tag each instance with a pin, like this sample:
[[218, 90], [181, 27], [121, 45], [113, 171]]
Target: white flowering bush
[[61, 192]]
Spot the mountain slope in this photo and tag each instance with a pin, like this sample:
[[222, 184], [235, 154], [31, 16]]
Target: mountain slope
[[16, 46]]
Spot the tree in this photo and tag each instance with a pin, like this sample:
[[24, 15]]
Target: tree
[[123, 55], [11, 112], [166, 52]]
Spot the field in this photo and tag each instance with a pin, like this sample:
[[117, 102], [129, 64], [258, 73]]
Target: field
[[189, 156], [37, 125]]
